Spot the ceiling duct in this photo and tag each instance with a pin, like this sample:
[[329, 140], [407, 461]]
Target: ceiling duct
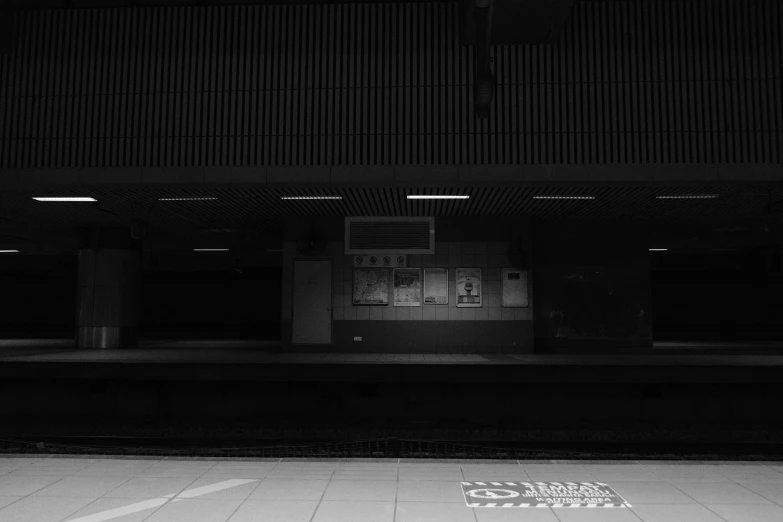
[[398, 235]]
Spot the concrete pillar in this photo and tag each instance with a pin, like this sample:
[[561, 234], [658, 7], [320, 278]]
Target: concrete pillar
[[109, 297]]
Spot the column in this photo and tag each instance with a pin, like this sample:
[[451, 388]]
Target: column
[[109, 297]]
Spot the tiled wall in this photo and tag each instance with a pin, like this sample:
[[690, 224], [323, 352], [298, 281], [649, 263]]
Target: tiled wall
[[469, 243]]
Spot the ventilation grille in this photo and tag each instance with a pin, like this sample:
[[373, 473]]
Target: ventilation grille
[[383, 235]]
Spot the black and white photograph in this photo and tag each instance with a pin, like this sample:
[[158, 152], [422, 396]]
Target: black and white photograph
[[391, 260]]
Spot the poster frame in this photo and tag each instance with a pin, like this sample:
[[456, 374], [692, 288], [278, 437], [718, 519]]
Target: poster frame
[[353, 286], [504, 287], [424, 286], [456, 288], [394, 287]]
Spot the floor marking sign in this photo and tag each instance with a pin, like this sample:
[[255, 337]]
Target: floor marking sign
[[156, 502], [541, 494]]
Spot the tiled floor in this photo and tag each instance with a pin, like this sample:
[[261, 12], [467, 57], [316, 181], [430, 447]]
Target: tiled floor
[[97, 489]]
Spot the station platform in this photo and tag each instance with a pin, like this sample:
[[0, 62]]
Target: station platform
[[103, 488], [231, 360]]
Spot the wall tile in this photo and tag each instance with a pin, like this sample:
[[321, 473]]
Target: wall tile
[[362, 313], [481, 260], [468, 314], [482, 314], [520, 314], [347, 287], [455, 313], [416, 313], [348, 300], [388, 313], [427, 262], [468, 261], [441, 248], [455, 260], [428, 313], [455, 248], [338, 313], [481, 248], [403, 313], [492, 300], [468, 248], [507, 314], [414, 261], [492, 287], [349, 313], [492, 275], [442, 313], [494, 314], [376, 314]]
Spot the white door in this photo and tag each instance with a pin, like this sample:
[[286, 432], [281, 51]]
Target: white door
[[312, 306]]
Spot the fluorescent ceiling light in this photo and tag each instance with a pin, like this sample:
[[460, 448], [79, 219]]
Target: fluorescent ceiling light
[[658, 249], [311, 197], [8, 251], [210, 249], [65, 199], [689, 196], [563, 197], [425, 196], [185, 199]]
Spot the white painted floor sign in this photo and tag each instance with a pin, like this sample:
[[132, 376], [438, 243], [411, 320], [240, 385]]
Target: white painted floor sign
[[541, 494]]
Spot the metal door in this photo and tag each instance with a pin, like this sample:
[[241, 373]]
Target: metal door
[[312, 305]]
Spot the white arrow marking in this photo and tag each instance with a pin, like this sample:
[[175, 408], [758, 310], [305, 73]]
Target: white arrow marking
[[156, 502]]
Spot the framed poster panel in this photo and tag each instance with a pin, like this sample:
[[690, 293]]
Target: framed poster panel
[[407, 287], [469, 291], [436, 286], [370, 286], [513, 282]]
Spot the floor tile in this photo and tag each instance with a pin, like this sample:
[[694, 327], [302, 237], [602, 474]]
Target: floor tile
[[119, 509], [770, 490], [675, 513], [282, 489], [745, 513], [6, 500], [433, 512], [23, 486], [275, 511], [595, 515], [627, 476], [720, 493], [335, 511], [368, 490], [81, 487], [150, 487], [561, 477], [196, 510], [42, 509], [515, 515], [239, 492], [650, 493], [429, 491]]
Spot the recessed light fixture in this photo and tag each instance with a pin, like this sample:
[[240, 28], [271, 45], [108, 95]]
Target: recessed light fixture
[[186, 199], [428, 196], [563, 197], [8, 251], [311, 197], [65, 199], [210, 250], [689, 196], [658, 249]]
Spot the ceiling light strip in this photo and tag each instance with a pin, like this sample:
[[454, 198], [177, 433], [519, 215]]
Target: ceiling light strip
[[658, 249], [434, 196], [689, 196], [71, 199], [563, 197], [311, 197], [186, 199]]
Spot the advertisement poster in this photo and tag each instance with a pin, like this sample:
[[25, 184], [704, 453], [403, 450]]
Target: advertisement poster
[[436, 286], [407, 287], [468, 287], [514, 287], [370, 286]]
